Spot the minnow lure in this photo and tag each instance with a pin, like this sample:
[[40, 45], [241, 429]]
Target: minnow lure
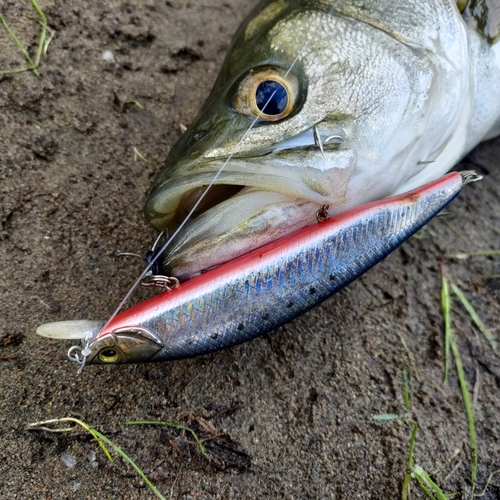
[[257, 292]]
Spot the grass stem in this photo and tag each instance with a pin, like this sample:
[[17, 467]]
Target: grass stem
[[446, 305], [175, 426], [43, 43], [102, 441]]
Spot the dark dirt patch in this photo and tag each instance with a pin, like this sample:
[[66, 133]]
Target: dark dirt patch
[[297, 405]]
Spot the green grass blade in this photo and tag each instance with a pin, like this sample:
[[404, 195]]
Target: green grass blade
[[138, 154], [41, 426], [426, 482], [405, 490], [42, 43], [96, 436], [472, 313], [469, 411], [446, 305], [410, 355], [131, 100], [130, 461], [412, 444], [18, 42], [483, 253], [489, 276], [406, 389], [43, 33], [175, 426], [424, 489], [101, 439]]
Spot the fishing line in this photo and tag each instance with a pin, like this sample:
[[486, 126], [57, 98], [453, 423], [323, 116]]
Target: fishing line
[[212, 182]]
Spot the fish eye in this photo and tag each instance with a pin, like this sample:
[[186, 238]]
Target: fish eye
[[108, 355], [268, 93]]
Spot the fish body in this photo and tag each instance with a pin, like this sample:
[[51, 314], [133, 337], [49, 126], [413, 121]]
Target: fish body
[[372, 98], [263, 289]]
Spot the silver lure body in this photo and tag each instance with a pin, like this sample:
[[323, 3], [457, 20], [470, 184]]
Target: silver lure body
[[266, 288]]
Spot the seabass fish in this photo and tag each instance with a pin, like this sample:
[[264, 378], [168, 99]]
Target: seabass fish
[[356, 100]]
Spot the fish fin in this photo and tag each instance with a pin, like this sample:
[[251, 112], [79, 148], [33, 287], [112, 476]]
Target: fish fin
[[483, 15]]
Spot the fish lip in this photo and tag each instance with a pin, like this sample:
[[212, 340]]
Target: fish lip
[[164, 201]]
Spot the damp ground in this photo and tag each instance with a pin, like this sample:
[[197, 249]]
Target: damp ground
[[289, 415]]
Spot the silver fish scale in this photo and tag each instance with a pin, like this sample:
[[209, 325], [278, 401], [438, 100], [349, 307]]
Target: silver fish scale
[[242, 308]]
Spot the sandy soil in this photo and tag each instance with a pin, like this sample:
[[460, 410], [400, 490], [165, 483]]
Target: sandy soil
[[295, 408]]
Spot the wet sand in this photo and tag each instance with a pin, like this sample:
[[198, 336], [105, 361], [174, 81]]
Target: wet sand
[[293, 410]]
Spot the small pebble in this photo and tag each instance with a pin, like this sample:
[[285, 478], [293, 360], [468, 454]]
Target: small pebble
[[69, 460], [108, 56], [74, 485], [92, 458]]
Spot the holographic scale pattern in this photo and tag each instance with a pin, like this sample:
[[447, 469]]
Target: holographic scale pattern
[[242, 308]]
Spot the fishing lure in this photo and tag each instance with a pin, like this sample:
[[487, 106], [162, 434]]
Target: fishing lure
[[257, 292]]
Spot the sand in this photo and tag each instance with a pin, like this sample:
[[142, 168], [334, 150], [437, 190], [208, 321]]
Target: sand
[[289, 415]]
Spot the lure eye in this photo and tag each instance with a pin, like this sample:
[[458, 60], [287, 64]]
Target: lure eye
[[108, 355], [268, 93]]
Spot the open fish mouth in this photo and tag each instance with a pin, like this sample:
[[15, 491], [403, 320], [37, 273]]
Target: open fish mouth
[[230, 220], [258, 197]]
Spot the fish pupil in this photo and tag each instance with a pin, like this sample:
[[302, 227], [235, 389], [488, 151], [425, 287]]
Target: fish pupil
[[109, 353], [271, 98]]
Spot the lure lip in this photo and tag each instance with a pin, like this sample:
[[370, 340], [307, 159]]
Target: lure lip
[[70, 330]]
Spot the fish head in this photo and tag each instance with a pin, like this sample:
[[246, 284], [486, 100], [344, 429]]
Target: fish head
[[280, 133]]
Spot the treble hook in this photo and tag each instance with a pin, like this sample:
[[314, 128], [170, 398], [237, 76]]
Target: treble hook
[[148, 255], [154, 278]]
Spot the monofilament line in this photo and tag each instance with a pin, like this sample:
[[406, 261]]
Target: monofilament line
[[216, 176]]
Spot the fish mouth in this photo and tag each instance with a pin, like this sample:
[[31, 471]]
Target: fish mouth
[[170, 205], [258, 197]]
